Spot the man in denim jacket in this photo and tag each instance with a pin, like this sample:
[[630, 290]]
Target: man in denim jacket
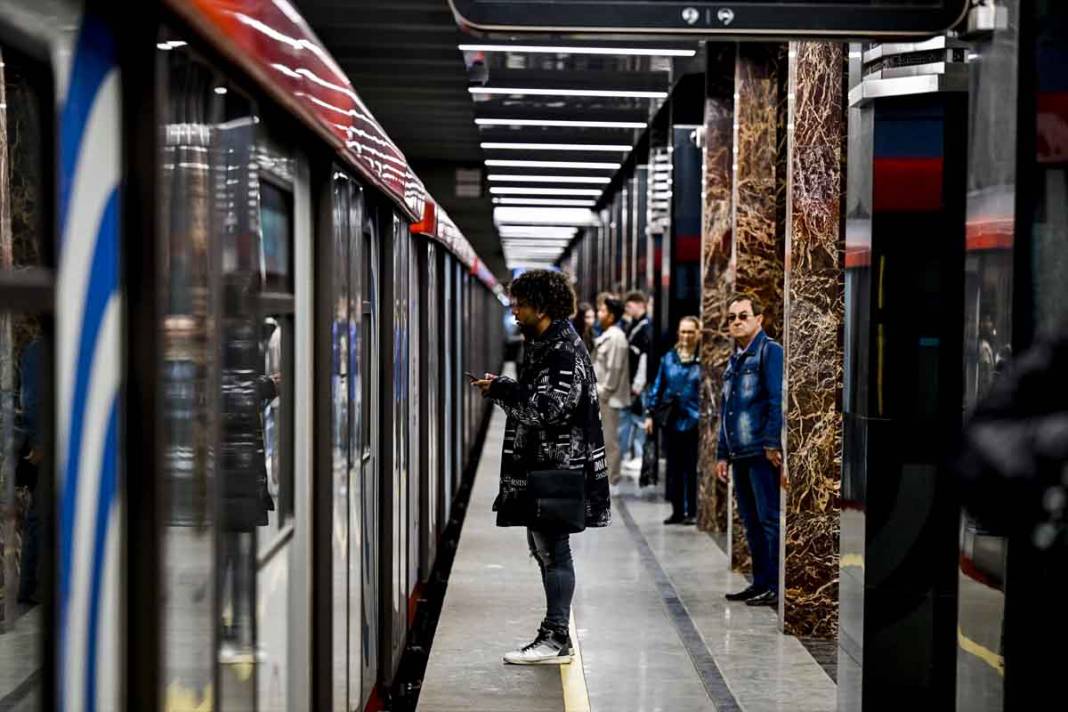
[[750, 440]]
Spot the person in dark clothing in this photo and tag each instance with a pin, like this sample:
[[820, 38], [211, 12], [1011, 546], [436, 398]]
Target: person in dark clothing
[[583, 322], [678, 387], [639, 333], [1012, 466], [27, 469], [750, 441], [553, 424]]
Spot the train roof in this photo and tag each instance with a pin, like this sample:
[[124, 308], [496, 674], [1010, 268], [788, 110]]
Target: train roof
[[279, 50]]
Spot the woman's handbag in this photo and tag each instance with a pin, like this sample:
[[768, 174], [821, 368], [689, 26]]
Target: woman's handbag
[[664, 412], [558, 498]]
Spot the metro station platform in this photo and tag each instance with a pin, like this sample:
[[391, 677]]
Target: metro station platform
[[651, 628]]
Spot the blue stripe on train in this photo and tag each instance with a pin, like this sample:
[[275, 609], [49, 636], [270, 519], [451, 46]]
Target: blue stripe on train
[[94, 57], [105, 503], [103, 282]]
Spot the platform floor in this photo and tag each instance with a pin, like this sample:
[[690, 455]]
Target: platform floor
[[651, 625]]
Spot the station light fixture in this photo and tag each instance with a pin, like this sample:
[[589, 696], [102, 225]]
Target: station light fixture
[[572, 217], [564, 231], [544, 91], [592, 165], [521, 146], [569, 49], [559, 202], [523, 190], [568, 123], [518, 178]]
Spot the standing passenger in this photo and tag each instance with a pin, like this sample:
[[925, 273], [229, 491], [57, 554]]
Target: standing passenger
[[675, 398], [583, 322], [750, 439], [639, 337], [552, 424], [610, 362]]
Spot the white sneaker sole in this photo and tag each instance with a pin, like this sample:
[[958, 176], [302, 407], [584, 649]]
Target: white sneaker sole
[[558, 660]]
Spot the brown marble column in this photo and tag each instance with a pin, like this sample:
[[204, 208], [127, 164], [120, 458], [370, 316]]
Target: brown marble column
[[814, 305], [716, 276], [759, 198]]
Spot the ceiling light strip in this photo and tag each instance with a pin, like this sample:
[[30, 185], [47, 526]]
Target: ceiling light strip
[[518, 178], [523, 190], [593, 165], [555, 202], [569, 49], [545, 91], [521, 146], [570, 123]]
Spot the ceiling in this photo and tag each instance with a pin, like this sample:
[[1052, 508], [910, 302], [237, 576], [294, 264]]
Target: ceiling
[[497, 106]]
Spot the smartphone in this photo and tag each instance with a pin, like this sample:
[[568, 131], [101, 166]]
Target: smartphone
[[472, 376]]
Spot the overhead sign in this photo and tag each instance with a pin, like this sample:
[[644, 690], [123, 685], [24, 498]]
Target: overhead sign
[[780, 18]]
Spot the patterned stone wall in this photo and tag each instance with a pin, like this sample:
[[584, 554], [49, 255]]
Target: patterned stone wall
[[759, 197], [716, 277], [814, 309]]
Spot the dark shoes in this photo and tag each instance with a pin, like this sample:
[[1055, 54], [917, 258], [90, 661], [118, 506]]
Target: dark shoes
[[766, 598], [689, 521], [673, 519], [745, 594]]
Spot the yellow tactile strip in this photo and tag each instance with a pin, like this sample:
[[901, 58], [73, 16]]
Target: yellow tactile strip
[[573, 678]]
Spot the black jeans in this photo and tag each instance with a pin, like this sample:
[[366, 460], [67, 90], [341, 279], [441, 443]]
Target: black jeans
[[553, 553], [681, 471]]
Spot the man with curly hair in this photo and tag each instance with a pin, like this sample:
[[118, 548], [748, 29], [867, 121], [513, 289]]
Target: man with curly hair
[[553, 424]]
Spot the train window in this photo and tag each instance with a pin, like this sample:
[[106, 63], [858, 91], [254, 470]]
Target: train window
[[26, 472]]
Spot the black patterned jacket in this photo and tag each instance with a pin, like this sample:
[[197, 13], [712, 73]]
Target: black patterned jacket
[[554, 422]]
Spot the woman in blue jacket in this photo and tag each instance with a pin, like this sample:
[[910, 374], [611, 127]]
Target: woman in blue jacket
[[675, 400]]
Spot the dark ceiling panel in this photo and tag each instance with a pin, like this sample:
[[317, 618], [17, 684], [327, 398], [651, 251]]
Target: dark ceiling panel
[[403, 59]]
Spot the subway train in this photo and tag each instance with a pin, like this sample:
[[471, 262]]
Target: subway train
[[233, 332]]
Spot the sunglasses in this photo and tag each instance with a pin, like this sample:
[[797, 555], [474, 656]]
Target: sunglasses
[[740, 316]]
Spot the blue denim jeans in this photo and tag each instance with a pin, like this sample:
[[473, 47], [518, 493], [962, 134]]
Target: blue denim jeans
[[553, 554], [631, 434], [756, 489]]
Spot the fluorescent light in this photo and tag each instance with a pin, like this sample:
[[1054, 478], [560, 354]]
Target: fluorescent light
[[607, 93], [517, 190], [573, 217], [535, 241], [516, 178], [545, 201], [501, 163], [540, 230], [562, 122], [535, 49], [514, 146]]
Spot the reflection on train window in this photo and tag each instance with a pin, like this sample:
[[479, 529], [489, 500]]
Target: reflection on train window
[[26, 473], [276, 229]]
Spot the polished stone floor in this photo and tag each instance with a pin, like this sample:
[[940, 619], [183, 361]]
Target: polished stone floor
[[650, 620]]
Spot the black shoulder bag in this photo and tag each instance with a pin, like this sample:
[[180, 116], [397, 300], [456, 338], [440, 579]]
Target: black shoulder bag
[[558, 498]]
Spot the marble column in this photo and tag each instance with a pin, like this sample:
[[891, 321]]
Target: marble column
[[716, 276], [813, 318], [759, 198]]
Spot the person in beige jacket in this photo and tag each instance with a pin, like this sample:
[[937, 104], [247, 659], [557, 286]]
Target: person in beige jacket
[[611, 364]]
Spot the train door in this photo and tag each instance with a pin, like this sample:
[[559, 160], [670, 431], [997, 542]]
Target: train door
[[415, 439], [448, 385], [342, 270], [366, 546], [428, 411]]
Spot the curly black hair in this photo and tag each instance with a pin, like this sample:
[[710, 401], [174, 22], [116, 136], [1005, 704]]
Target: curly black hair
[[545, 290]]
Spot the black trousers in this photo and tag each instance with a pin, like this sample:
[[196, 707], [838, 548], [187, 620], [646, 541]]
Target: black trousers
[[681, 449]]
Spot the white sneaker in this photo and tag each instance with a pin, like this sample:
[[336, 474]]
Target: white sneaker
[[613, 490], [545, 650], [635, 463]]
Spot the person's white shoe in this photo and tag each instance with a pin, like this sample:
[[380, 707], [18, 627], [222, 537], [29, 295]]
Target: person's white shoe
[[545, 650], [613, 490], [635, 463]]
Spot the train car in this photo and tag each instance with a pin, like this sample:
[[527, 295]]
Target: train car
[[233, 328]]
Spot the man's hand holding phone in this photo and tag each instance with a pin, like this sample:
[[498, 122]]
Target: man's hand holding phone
[[483, 384]]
